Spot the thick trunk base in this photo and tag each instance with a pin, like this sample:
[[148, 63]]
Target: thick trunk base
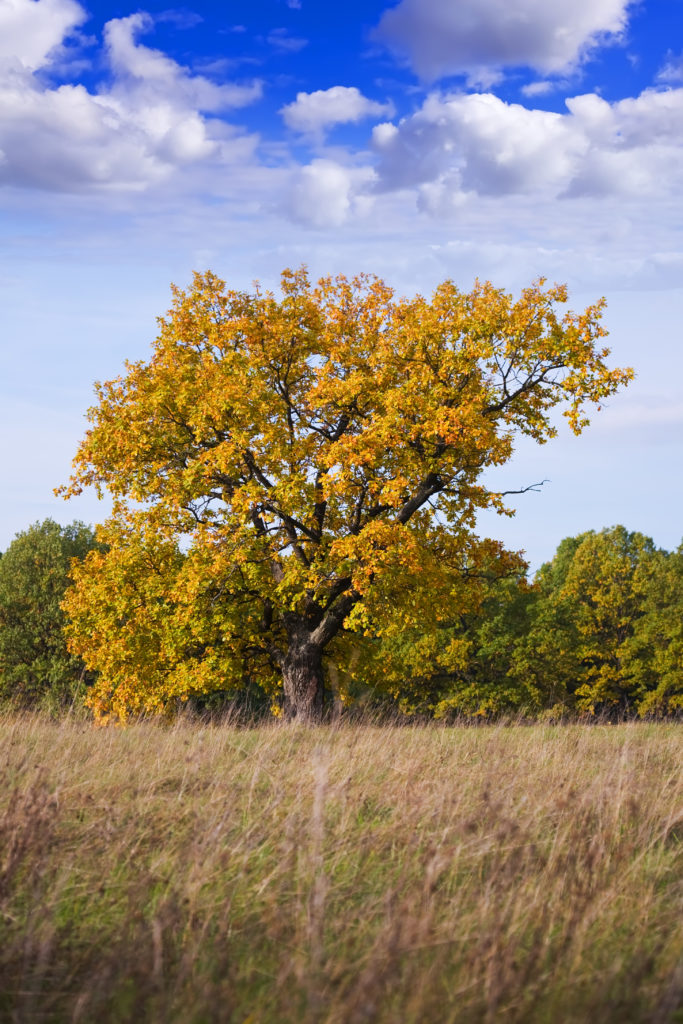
[[303, 684]]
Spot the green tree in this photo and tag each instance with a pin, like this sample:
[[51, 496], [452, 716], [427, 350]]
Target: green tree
[[466, 668], [654, 655], [318, 460], [589, 605], [35, 666]]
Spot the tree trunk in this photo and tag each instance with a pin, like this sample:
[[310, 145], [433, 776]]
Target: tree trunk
[[303, 681]]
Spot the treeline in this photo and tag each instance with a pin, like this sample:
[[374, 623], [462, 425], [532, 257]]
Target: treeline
[[599, 630], [36, 667]]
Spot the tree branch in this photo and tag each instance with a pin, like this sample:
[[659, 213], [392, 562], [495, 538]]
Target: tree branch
[[334, 619], [320, 507], [431, 484], [522, 490], [254, 469], [335, 591], [260, 527]]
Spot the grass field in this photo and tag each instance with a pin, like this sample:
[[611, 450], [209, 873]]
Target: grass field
[[199, 873]]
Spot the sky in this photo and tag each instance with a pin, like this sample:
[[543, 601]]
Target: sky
[[419, 140]]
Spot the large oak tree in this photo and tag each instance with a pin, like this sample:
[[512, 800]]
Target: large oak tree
[[288, 471]]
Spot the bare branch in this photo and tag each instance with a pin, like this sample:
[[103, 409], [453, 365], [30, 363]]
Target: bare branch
[[523, 490]]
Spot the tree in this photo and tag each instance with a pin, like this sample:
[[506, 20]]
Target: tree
[[604, 627], [35, 665], [602, 586], [489, 684], [654, 655], [289, 471], [466, 666]]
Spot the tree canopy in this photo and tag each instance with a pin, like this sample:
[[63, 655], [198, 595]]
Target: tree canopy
[[289, 473], [35, 665], [605, 624]]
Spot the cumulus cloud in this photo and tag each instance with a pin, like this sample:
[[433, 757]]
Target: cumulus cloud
[[313, 112], [31, 30], [324, 193], [142, 68], [440, 37], [477, 144], [132, 133]]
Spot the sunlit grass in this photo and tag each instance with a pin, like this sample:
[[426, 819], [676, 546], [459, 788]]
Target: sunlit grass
[[199, 873]]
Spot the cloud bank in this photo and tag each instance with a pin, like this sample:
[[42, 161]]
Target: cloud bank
[[131, 133], [151, 120], [459, 145]]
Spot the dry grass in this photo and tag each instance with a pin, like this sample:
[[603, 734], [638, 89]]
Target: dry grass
[[358, 874]]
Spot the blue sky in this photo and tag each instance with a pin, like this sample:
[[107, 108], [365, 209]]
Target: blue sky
[[420, 140]]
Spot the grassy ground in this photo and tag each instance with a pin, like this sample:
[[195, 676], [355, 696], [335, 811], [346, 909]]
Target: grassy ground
[[358, 874]]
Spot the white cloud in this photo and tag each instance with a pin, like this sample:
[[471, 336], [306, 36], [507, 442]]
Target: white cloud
[[476, 144], [324, 193], [672, 71], [30, 30], [66, 139], [441, 37], [537, 89], [482, 78], [280, 40], [133, 133], [312, 112], [140, 67]]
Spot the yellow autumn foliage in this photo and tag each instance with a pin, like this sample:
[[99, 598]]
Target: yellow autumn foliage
[[289, 470]]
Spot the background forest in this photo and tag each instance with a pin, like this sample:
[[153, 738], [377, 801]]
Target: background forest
[[599, 629]]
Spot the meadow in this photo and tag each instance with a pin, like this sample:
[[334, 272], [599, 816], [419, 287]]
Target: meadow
[[198, 872]]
